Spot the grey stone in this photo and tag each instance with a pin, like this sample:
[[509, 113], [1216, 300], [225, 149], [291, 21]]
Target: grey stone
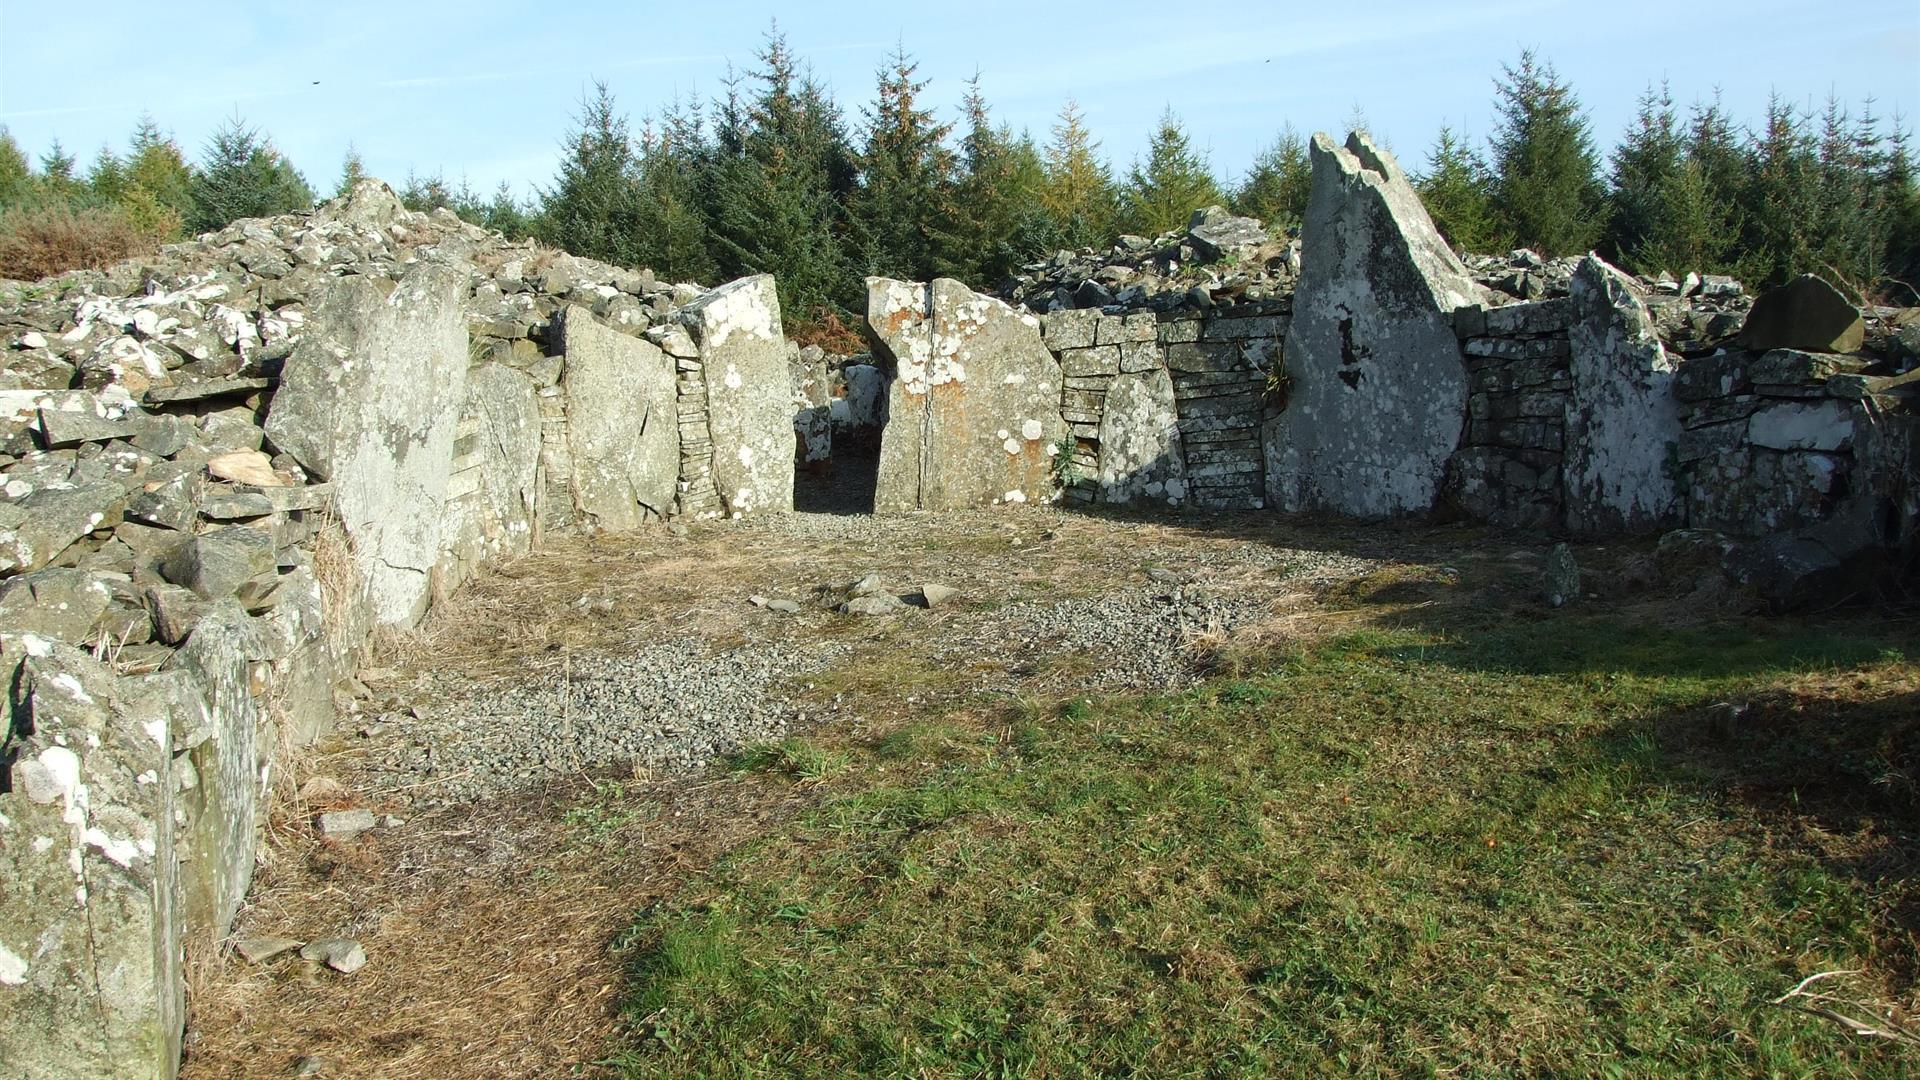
[[1623, 422], [1813, 425], [344, 824], [260, 950], [61, 427], [65, 605], [174, 611], [784, 607], [875, 604], [1214, 233], [370, 400], [1562, 577], [974, 407], [1376, 383], [216, 564], [1141, 455], [623, 439], [170, 504], [743, 357], [206, 389], [1805, 313], [343, 955], [221, 727], [53, 518], [936, 595]]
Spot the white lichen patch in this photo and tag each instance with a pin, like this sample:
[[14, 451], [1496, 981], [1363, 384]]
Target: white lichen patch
[[13, 969], [1031, 430]]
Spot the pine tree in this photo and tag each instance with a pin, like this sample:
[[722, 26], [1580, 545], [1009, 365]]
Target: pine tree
[[674, 163], [352, 171], [1078, 191], [593, 208], [1457, 192], [1277, 186], [781, 178], [1000, 222], [57, 177], [903, 211], [16, 177], [241, 175], [1163, 192], [1546, 187], [1646, 168]]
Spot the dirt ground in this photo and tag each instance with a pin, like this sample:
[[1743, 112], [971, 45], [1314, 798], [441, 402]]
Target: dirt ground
[[490, 922]]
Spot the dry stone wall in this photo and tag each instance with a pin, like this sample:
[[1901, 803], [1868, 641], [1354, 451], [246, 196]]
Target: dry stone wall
[[221, 469]]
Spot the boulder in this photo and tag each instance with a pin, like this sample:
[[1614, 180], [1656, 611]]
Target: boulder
[[217, 564], [1805, 313], [622, 433], [1214, 233], [90, 938], [65, 605], [1622, 419], [1376, 386], [40, 526], [1141, 458], [743, 357], [974, 405], [370, 399]]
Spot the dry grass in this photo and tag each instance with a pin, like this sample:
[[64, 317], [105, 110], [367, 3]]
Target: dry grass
[[40, 240]]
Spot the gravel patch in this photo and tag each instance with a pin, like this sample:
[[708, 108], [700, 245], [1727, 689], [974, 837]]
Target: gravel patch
[[671, 708], [1136, 639]]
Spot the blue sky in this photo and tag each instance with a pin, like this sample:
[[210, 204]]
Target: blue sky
[[485, 90]]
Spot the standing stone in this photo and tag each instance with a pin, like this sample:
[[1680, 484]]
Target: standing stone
[[493, 483], [1805, 313], [369, 399], [1376, 385], [220, 725], [743, 355], [1140, 452], [89, 936], [974, 406], [1623, 421], [622, 433], [1562, 577]]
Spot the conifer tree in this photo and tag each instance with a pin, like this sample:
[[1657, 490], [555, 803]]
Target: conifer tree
[[241, 175], [16, 177], [1706, 218], [352, 171], [1163, 192], [903, 211], [505, 215], [57, 177], [674, 160], [159, 182], [781, 176], [1078, 190], [1000, 222], [1902, 188], [1779, 203], [107, 176], [1457, 192], [1646, 170], [593, 208], [1276, 188], [1546, 186]]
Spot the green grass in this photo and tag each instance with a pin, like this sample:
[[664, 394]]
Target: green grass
[[1515, 852]]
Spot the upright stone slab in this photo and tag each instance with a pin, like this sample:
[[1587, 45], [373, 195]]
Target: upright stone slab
[[622, 432], [973, 413], [1377, 390], [226, 739], [90, 950], [743, 356], [493, 485], [369, 399], [1623, 421], [1141, 458]]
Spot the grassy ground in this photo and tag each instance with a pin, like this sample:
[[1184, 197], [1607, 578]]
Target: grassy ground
[[1552, 845]]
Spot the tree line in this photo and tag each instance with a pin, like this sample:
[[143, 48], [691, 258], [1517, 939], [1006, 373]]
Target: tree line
[[771, 175]]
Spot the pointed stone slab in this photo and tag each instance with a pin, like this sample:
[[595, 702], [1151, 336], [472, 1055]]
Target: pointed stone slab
[[1623, 421], [974, 405], [743, 358], [1376, 388], [1141, 459], [623, 439]]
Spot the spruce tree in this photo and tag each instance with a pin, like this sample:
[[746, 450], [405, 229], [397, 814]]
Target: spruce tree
[[1707, 216], [107, 176], [1901, 189], [1078, 191], [1163, 192], [1546, 186], [903, 210], [504, 214], [57, 177], [674, 162], [593, 208], [1277, 186], [16, 177], [1000, 222], [352, 171], [160, 184], [241, 175], [1642, 204], [782, 173], [1780, 201], [1457, 192]]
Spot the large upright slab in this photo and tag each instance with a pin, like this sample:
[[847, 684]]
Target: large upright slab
[[973, 413], [1376, 387], [743, 356], [1141, 457], [370, 399], [1623, 422], [622, 433], [493, 488]]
